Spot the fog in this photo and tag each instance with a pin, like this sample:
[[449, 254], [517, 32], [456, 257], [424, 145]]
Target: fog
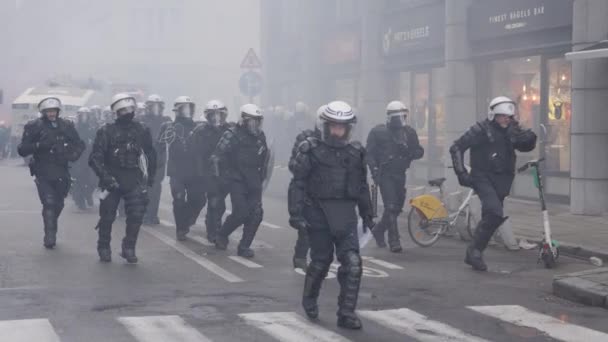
[[171, 47]]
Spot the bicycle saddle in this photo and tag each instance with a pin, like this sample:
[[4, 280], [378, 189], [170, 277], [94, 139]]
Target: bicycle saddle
[[437, 182]]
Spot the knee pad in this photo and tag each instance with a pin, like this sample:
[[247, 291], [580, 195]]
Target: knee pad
[[352, 263], [318, 269], [49, 200]]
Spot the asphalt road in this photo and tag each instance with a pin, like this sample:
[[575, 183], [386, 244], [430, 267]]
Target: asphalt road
[[192, 292]]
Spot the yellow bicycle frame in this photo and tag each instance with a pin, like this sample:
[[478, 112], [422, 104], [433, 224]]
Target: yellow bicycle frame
[[430, 207]]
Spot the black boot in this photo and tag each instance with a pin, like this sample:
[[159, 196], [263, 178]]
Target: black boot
[[245, 252], [315, 275], [249, 231], [474, 258], [50, 228], [349, 277], [181, 234], [378, 234], [105, 254], [128, 253], [393, 234], [221, 242]]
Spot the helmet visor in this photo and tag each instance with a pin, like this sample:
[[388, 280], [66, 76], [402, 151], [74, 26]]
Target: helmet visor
[[254, 125], [185, 110], [397, 120], [336, 134]]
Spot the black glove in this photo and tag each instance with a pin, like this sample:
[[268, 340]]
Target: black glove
[[111, 184], [368, 223], [298, 223], [465, 179], [45, 144]]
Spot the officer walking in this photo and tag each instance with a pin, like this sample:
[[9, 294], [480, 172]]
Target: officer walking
[[154, 119], [302, 245], [391, 148], [117, 158], [331, 174], [242, 154], [492, 143], [53, 142], [203, 140], [86, 126], [187, 191]]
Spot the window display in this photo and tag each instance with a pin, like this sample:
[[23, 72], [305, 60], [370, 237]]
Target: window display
[[556, 131]]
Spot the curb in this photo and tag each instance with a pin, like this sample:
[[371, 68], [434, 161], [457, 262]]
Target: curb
[[572, 250], [576, 288]]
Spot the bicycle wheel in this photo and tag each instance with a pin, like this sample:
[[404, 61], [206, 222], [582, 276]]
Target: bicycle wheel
[[422, 231]]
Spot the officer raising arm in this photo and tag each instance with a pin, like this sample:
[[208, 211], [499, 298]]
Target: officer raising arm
[[330, 173], [492, 143], [116, 159], [52, 142]]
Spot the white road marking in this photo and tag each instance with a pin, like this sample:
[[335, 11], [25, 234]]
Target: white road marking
[[245, 262], [16, 211], [201, 240], [161, 329], [417, 326], [552, 327], [204, 262], [28, 330], [271, 225], [289, 327], [382, 263], [256, 244]]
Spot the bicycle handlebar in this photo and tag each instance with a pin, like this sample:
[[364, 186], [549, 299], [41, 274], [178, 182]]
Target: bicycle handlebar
[[531, 163]]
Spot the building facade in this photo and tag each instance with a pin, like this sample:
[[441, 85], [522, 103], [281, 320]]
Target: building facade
[[446, 60]]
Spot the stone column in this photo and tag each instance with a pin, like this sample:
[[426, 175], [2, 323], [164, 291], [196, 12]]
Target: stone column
[[589, 130], [460, 99]]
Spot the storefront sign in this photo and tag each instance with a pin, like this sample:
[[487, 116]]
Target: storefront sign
[[495, 18], [417, 29], [343, 46]]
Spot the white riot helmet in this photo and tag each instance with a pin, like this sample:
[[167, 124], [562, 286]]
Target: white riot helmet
[[396, 114], [501, 105], [123, 105], [155, 105], [252, 118], [48, 104], [83, 114], [337, 113], [184, 106], [216, 113]]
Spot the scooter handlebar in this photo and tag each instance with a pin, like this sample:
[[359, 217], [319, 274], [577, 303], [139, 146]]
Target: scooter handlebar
[[531, 163]]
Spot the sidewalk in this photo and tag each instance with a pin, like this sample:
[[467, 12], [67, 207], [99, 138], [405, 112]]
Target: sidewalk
[[580, 236]]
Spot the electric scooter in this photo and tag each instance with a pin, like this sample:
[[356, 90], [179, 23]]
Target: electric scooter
[[548, 248]]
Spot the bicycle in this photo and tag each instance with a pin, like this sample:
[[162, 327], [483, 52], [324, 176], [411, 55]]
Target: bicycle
[[428, 214]]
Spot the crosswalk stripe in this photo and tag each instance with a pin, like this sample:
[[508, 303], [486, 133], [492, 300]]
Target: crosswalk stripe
[[264, 223], [28, 330], [204, 262], [256, 244], [418, 326], [245, 262], [290, 327], [201, 240], [552, 327], [382, 263], [161, 329]]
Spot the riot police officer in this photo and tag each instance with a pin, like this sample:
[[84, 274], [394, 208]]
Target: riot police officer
[[391, 148], [53, 142], [302, 246], [493, 143], [154, 119], [117, 158], [203, 140], [85, 179], [330, 173], [242, 154], [187, 190]]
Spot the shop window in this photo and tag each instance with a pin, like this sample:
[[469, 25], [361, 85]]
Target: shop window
[[438, 96], [419, 113], [556, 132], [520, 79]]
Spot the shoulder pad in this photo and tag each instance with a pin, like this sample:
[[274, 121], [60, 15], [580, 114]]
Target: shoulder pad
[[478, 128], [307, 144]]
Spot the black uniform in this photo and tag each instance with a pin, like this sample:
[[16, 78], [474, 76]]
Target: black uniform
[[154, 123], [243, 158], [390, 151], [492, 172], [115, 159], [53, 144], [328, 184], [203, 140], [86, 180], [186, 188], [302, 245]]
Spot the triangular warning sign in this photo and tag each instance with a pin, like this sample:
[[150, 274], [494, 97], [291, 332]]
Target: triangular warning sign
[[251, 61]]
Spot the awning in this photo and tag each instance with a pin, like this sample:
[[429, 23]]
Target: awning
[[599, 50]]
